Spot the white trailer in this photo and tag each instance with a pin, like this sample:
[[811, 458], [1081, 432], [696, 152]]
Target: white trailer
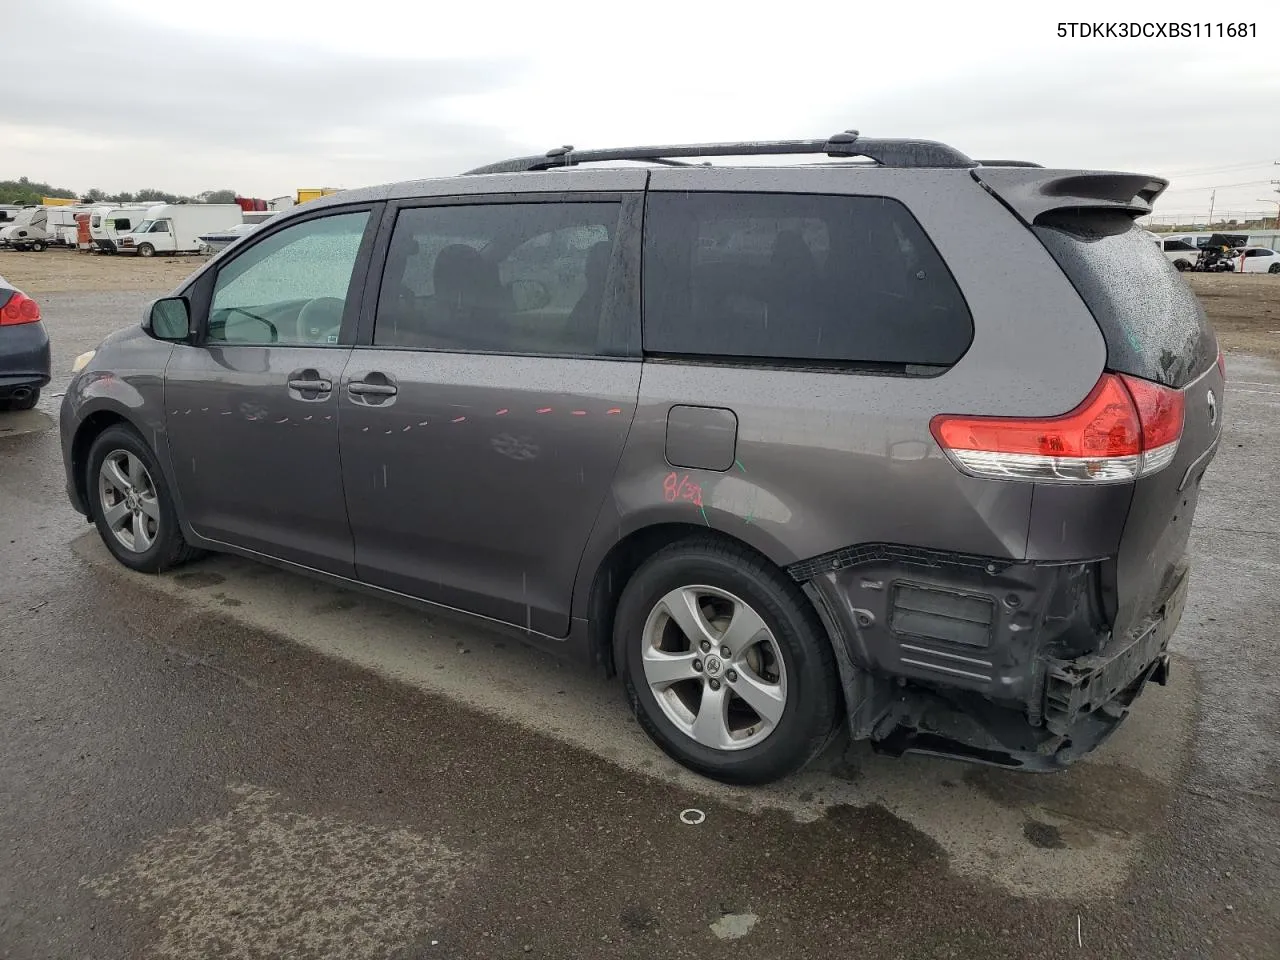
[[27, 231], [108, 224], [60, 224], [176, 227]]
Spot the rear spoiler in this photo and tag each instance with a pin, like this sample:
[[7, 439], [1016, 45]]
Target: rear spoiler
[[1032, 193]]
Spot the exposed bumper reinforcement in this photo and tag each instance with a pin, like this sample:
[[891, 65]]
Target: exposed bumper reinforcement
[[1075, 688], [1077, 704]]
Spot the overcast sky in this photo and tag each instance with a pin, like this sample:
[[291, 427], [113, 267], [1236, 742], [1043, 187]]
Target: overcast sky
[[265, 97]]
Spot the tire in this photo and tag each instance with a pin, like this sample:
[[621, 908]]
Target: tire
[[162, 545], [26, 403], [788, 665], [146, 250], [1181, 265], [1274, 268], [38, 246]]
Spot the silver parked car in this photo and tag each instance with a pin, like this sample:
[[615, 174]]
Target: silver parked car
[[898, 439]]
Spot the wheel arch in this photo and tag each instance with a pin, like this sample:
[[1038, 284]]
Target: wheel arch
[[87, 431], [91, 426], [620, 563]]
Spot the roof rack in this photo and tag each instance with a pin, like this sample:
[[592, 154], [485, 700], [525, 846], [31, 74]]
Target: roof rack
[[886, 153], [1009, 163]]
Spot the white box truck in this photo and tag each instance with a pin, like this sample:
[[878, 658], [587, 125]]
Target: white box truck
[[109, 224], [176, 227]]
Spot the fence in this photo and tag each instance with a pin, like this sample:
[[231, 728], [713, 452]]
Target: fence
[[1224, 220]]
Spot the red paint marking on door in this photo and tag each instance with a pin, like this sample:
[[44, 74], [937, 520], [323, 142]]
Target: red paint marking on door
[[501, 413], [612, 410], [458, 419], [579, 413], [545, 410]]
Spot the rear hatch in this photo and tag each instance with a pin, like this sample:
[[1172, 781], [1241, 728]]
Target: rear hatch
[[1155, 329]]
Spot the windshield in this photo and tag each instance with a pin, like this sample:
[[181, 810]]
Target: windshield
[[143, 227]]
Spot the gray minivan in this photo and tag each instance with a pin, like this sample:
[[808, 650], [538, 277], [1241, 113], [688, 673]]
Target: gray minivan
[[895, 439]]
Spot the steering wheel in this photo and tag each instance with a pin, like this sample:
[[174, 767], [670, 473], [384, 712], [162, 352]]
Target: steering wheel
[[320, 320]]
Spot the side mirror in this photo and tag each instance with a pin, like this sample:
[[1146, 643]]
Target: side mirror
[[527, 295], [169, 319]]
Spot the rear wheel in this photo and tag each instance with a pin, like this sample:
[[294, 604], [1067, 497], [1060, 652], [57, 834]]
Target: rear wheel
[[1274, 268], [725, 662], [146, 250], [38, 246], [131, 505], [1182, 265]]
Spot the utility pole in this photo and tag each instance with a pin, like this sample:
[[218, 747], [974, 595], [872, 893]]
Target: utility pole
[[1212, 197]]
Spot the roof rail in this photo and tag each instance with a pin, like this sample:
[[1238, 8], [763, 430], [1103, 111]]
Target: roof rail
[[1009, 163], [887, 153]]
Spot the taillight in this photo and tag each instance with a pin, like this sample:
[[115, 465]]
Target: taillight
[[19, 309], [1125, 428], [1222, 365]]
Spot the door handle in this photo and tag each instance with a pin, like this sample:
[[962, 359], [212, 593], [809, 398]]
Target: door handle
[[363, 389], [323, 386], [310, 385]]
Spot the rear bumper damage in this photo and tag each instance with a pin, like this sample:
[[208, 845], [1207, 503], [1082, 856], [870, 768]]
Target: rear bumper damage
[[993, 661]]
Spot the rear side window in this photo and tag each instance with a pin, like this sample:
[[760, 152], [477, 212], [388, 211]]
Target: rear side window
[[523, 278], [792, 277], [1153, 323]]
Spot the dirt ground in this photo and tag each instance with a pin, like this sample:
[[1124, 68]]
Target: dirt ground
[[1244, 309], [65, 271]]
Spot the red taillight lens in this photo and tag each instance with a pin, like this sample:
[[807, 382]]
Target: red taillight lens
[[1222, 365], [19, 309], [1160, 410], [1125, 428]]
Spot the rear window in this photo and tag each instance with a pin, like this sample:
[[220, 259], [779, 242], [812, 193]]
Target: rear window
[[1154, 326], [828, 279]]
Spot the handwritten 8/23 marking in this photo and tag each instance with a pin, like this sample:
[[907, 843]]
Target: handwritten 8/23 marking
[[676, 487]]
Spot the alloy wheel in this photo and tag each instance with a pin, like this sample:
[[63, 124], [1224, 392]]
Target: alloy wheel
[[714, 667], [127, 495]]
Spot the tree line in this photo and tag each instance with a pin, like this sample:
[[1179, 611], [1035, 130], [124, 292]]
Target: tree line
[[25, 192]]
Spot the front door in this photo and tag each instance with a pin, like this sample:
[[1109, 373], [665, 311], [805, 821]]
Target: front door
[[252, 407], [482, 425]]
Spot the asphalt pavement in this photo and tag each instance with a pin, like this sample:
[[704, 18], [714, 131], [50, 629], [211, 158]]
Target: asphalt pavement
[[230, 761]]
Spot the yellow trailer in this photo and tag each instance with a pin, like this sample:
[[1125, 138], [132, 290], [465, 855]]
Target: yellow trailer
[[58, 201], [314, 193]]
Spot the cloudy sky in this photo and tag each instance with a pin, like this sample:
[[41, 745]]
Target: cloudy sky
[[265, 97]]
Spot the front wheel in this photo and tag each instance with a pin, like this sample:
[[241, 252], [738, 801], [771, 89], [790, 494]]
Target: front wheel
[[726, 665], [1181, 265], [38, 246], [131, 504], [1274, 268], [146, 250]]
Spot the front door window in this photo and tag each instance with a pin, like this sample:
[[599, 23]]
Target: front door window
[[291, 287]]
